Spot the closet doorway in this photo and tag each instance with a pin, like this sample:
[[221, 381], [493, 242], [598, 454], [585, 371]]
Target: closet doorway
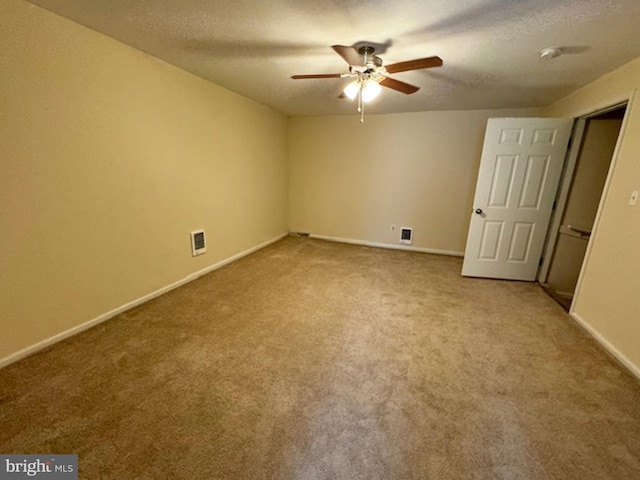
[[583, 185]]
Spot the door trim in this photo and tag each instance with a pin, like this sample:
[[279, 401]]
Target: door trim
[[566, 179], [562, 197], [605, 193]]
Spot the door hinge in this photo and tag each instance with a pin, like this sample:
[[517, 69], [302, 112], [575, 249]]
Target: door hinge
[[555, 204], [540, 262]]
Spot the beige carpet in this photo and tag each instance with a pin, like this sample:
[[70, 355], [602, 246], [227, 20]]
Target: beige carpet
[[316, 360]]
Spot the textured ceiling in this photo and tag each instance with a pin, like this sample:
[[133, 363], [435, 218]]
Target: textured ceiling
[[490, 48]]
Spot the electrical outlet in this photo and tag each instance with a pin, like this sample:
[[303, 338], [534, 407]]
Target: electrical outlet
[[393, 228], [633, 200]]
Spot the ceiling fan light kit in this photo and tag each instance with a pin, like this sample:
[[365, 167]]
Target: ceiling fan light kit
[[370, 89], [351, 90], [370, 75]]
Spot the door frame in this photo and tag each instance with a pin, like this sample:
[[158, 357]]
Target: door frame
[[562, 197], [575, 144]]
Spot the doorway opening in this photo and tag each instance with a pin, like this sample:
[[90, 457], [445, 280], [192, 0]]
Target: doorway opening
[[588, 164]]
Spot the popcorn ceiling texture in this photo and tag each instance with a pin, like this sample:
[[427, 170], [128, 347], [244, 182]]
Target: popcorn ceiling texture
[[490, 47]]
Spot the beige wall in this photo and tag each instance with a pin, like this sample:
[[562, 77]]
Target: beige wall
[[608, 299], [353, 181], [109, 159]]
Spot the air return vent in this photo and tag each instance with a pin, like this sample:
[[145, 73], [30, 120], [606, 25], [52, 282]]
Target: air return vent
[[406, 235], [197, 243]]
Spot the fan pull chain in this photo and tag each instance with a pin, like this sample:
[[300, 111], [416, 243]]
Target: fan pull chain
[[360, 104]]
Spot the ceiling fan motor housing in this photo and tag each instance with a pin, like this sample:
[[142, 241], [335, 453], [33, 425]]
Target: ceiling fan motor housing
[[370, 60]]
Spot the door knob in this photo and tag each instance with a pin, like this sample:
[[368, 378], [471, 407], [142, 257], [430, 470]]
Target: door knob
[[479, 211]]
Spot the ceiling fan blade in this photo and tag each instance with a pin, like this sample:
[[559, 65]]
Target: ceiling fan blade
[[417, 64], [399, 86], [319, 75], [350, 55]]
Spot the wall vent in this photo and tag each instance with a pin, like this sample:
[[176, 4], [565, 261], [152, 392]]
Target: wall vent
[[197, 243], [406, 235]]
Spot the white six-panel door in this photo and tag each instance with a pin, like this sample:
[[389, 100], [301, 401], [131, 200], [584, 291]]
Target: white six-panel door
[[520, 168]]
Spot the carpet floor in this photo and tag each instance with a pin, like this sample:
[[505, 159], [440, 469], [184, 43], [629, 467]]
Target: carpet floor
[[317, 360]]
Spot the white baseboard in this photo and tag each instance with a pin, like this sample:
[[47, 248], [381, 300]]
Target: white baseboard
[[14, 357], [391, 246], [567, 295], [617, 354]]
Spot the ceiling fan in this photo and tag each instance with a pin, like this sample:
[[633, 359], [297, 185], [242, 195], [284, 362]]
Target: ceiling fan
[[370, 74]]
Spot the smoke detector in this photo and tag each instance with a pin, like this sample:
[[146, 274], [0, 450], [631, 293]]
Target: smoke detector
[[549, 53]]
